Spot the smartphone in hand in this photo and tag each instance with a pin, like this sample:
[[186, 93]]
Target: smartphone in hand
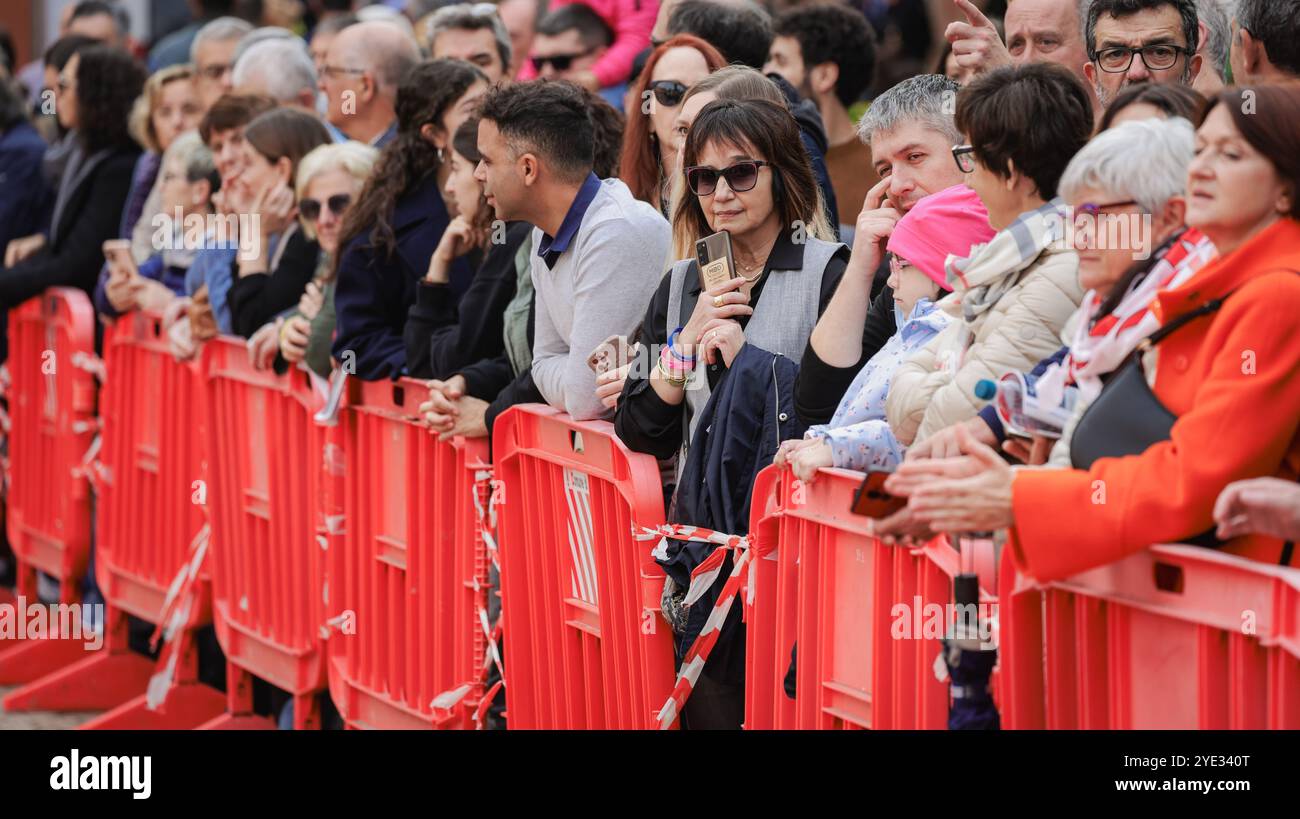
[[871, 500], [612, 353], [717, 267]]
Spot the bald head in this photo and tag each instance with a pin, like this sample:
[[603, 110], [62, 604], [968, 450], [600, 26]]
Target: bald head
[[363, 67], [382, 48]]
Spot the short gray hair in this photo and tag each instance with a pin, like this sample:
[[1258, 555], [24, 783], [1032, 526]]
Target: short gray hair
[[219, 30], [471, 17], [1218, 32], [261, 35], [284, 65], [929, 99], [195, 157], [1143, 160]]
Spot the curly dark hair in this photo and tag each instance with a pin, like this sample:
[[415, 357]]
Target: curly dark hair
[[108, 81], [424, 96], [833, 34]]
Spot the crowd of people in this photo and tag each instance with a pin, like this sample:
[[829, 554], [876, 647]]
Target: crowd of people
[[1052, 288]]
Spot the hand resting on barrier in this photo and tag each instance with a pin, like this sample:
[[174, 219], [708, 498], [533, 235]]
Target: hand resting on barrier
[[969, 493], [1264, 506]]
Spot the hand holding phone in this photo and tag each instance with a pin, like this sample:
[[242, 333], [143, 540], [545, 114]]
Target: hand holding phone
[[717, 266], [612, 353], [871, 499]]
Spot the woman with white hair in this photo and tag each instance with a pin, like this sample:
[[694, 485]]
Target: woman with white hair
[[329, 179], [1126, 191]]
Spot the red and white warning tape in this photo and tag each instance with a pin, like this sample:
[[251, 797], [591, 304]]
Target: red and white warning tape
[[181, 597], [486, 520], [702, 579]]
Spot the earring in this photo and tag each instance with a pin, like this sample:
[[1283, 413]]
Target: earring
[[440, 155]]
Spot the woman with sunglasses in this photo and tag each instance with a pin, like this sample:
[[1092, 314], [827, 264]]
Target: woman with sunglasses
[[649, 158], [715, 378], [1222, 366], [329, 178], [438, 343]]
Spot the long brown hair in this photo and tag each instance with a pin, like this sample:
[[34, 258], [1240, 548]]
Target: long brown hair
[[770, 130], [639, 168], [286, 132], [1268, 117], [426, 94]]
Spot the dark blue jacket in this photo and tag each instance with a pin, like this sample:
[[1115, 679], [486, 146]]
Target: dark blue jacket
[[375, 293], [747, 417]]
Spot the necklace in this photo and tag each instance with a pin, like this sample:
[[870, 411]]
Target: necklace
[[745, 269]]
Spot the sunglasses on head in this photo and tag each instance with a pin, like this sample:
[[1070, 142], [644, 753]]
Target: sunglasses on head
[[311, 208], [561, 62], [668, 93], [741, 177]]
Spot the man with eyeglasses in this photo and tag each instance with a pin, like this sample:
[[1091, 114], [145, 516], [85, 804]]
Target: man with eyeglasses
[[828, 54], [473, 33], [213, 54], [363, 68], [1133, 41], [568, 43]]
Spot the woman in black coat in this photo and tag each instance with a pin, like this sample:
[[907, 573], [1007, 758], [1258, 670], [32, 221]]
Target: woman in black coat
[[96, 90], [395, 225]]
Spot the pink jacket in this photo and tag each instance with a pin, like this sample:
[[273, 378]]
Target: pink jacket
[[631, 20]]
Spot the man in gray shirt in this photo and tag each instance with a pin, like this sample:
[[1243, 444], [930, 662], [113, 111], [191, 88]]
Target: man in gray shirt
[[599, 252]]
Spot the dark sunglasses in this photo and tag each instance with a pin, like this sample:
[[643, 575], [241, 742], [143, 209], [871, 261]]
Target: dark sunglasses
[[741, 177], [561, 62], [669, 93], [310, 208]]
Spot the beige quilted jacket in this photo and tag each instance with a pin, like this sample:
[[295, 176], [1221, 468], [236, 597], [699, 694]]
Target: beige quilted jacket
[[935, 388]]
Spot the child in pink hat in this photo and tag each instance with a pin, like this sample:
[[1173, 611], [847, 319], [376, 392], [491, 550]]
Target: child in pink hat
[[950, 222]]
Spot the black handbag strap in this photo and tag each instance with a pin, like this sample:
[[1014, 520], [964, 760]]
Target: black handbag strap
[[1169, 329]]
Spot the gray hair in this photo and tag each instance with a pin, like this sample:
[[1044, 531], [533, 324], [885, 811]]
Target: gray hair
[[261, 35], [1143, 160], [219, 30], [1218, 32], [284, 65], [471, 17], [929, 99], [195, 157], [379, 13], [388, 50]]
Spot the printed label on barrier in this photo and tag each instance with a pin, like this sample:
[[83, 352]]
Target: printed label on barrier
[[581, 540]]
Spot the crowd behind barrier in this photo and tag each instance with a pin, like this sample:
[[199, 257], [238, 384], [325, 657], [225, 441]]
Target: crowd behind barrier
[[337, 545]]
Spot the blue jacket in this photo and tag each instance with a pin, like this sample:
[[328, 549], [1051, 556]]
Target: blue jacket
[[749, 414], [374, 294]]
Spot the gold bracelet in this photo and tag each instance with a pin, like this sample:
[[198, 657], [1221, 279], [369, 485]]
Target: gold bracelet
[[676, 381]]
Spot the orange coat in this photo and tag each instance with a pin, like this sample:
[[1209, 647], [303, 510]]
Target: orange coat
[[1233, 380]]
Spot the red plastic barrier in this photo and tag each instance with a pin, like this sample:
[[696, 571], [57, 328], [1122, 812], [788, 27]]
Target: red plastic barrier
[[268, 499], [1172, 637], [52, 425], [407, 577], [585, 646], [821, 581], [153, 416]]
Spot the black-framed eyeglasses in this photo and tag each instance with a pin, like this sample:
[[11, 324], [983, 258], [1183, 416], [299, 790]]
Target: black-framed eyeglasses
[[561, 62], [964, 156], [668, 93], [741, 177], [311, 208], [1156, 57]]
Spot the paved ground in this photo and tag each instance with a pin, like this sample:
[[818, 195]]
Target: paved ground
[[27, 720]]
